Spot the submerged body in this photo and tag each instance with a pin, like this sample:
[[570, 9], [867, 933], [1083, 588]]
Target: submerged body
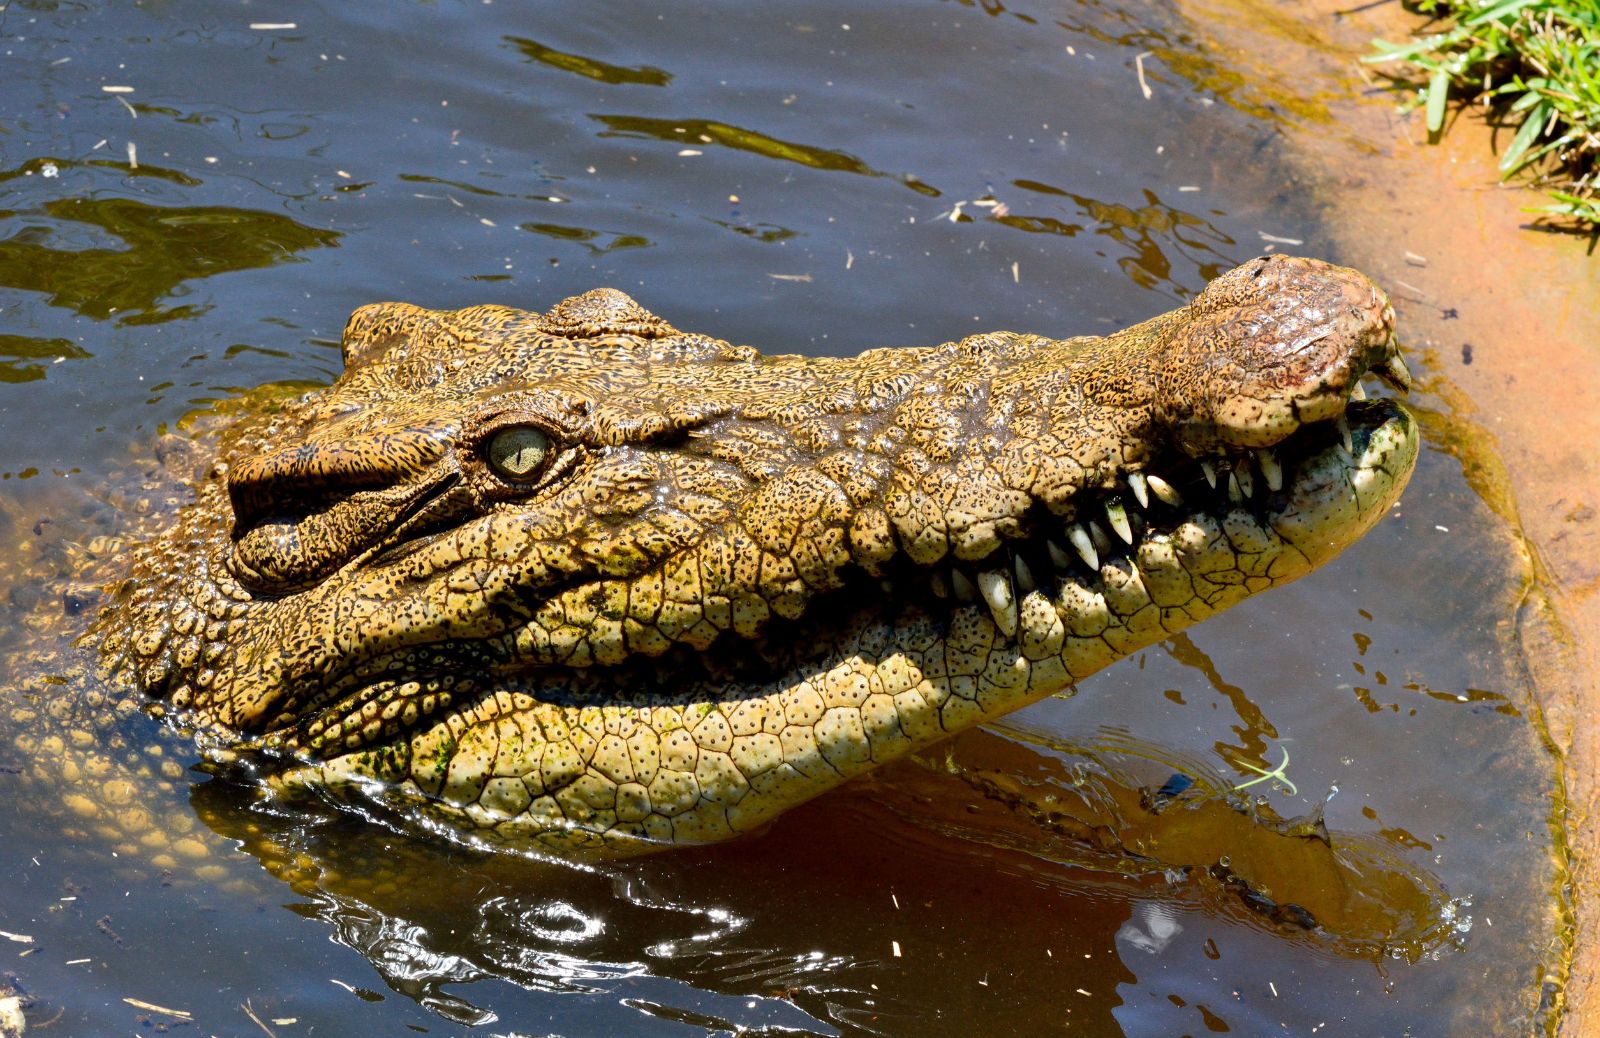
[[580, 580]]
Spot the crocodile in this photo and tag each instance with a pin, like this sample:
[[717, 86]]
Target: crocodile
[[579, 582]]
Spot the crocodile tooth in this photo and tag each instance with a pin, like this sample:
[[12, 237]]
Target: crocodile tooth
[[962, 585], [1235, 492], [1211, 472], [1080, 540], [1058, 555], [1270, 468], [938, 585], [1247, 480], [1025, 582], [1102, 540], [1394, 371], [996, 588], [1165, 491], [1357, 393], [1141, 492], [1344, 435], [1117, 516]]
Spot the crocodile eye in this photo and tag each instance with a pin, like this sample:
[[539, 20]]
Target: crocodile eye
[[517, 452]]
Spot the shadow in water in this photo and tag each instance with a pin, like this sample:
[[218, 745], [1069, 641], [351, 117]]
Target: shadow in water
[[845, 914]]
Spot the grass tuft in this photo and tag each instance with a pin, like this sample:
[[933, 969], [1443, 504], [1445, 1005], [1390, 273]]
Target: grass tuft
[[1536, 65]]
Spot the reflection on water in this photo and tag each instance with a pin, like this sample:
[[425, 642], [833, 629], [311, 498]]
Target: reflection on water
[[692, 132], [807, 934], [592, 68], [596, 240], [24, 358], [1151, 232], [158, 249], [1253, 730], [1345, 893]]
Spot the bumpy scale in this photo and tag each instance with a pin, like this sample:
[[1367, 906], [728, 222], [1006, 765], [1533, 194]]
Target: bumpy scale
[[580, 580]]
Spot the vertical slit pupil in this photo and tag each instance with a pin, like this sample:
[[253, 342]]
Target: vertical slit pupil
[[517, 452]]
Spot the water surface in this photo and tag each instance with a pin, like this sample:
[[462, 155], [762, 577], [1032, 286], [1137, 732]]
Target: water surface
[[816, 178]]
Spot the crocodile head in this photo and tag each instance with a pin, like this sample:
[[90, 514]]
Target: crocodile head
[[580, 579]]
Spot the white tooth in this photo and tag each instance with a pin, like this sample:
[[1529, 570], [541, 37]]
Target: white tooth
[[1344, 435], [1357, 393], [962, 585], [1058, 555], [1080, 540], [1270, 469], [938, 585], [1235, 492], [1211, 473], [1025, 582], [1396, 369], [1141, 493], [1102, 540], [1165, 491], [996, 588], [1247, 481], [1118, 517]]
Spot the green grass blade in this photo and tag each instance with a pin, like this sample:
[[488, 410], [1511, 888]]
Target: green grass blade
[[1438, 89], [1497, 11], [1532, 124], [1391, 52], [1535, 65]]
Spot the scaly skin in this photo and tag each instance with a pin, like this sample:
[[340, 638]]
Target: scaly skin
[[582, 581]]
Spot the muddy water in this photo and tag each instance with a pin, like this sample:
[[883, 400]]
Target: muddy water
[[818, 179]]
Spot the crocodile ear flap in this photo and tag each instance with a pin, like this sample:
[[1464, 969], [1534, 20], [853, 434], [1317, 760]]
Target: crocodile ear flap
[[614, 425], [376, 326]]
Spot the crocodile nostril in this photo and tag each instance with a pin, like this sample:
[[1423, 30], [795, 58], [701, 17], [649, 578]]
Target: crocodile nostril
[[301, 513], [312, 477]]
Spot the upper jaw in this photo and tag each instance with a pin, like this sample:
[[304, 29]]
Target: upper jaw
[[1274, 344], [1214, 544]]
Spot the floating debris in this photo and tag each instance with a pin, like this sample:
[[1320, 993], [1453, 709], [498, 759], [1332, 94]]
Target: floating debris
[[1138, 64], [139, 1003]]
